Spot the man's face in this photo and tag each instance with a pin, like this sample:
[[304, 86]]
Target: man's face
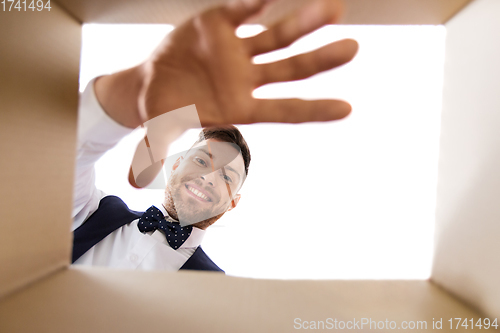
[[203, 184]]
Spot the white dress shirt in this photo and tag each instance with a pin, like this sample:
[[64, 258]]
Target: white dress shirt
[[126, 247]]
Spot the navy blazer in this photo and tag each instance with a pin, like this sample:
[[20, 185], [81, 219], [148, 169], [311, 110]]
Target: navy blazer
[[112, 214]]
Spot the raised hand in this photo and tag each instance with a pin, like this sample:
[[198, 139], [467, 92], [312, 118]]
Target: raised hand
[[202, 62]]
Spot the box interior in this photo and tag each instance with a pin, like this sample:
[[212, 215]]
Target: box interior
[[39, 94]]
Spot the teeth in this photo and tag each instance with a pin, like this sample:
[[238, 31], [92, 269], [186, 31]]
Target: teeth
[[198, 193]]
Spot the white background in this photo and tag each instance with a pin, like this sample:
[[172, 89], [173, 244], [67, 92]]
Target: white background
[[351, 199]]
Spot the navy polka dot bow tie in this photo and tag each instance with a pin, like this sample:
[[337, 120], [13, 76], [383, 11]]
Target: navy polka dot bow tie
[[153, 219]]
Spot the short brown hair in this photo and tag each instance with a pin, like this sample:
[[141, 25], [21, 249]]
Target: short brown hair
[[227, 133]]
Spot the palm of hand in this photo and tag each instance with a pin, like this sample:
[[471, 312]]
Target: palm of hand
[[202, 62]]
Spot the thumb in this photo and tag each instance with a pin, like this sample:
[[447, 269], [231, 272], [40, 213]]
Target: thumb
[[151, 151], [144, 169]]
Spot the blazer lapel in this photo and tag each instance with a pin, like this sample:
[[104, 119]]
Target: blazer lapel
[[199, 261], [112, 214]]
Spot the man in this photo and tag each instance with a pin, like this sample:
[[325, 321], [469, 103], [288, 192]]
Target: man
[[203, 185], [200, 63]]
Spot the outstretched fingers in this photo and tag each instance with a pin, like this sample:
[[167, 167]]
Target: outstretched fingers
[[285, 32], [307, 64], [298, 111]]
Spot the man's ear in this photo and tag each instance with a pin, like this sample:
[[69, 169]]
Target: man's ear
[[235, 201]]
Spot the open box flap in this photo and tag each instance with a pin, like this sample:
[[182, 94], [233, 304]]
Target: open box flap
[[466, 259], [175, 12], [105, 300], [39, 65]]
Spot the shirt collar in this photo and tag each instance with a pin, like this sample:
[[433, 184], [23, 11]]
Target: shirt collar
[[194, 240]]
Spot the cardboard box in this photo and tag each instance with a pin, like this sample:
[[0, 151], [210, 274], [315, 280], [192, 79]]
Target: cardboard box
[[39, 65]]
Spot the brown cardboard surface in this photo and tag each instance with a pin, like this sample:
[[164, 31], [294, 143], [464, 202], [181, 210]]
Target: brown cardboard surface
[[175, 12], [466, 259], [39, 63], [38, 91], [401, 12], [100, 300]]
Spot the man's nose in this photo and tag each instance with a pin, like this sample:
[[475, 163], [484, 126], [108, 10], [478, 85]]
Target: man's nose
[[209, 179]]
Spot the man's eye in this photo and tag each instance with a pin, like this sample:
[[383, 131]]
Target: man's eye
[[226, 178], [200, 161]]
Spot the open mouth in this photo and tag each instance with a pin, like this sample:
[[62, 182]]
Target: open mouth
[[197, 193]]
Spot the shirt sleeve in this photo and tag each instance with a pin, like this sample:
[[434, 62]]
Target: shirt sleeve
[[97, 133]]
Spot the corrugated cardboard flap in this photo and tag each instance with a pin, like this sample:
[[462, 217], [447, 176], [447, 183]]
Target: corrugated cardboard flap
[[39, 65], [101, 300], [175, 12]]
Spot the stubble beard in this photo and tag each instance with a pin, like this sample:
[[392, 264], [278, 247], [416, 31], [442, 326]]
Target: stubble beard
[[190, 213]]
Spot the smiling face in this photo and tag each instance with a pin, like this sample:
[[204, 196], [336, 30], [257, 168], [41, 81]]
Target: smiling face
[[203, 185]]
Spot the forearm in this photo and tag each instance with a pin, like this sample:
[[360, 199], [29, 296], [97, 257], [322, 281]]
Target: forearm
[[97, 133]]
